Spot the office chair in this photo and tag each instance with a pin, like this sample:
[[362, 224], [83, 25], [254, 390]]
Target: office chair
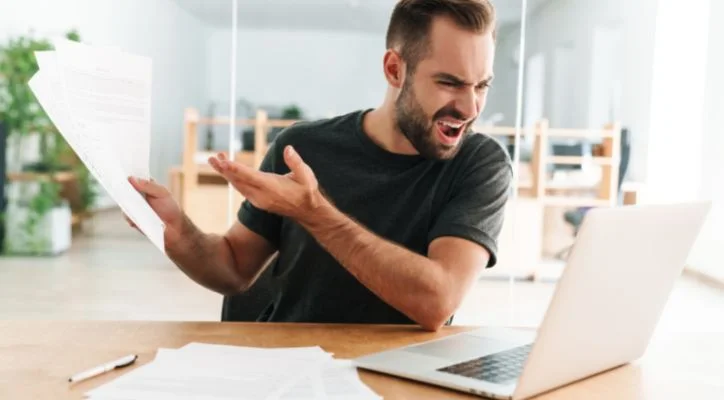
[[254, 304], [575, 217]]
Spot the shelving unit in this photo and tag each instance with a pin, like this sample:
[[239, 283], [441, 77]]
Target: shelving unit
[[541, 199], [540, 187], [59, 177]]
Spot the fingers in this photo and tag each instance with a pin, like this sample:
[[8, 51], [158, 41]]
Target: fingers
[[254, 195], [237, 173], [129, 221], [215, 163], [300, 170], [147, 187]]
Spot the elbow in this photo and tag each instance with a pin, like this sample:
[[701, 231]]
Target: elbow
[[432, 326], [435, 317], [238, 286]]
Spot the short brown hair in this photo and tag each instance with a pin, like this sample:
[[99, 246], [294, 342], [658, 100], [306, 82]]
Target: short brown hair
[[411, 20]]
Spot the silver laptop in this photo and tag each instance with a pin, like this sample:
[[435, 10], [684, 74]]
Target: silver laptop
[[606, 305]]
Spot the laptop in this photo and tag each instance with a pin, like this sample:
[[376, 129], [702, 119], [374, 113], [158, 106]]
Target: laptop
[[608, 301]]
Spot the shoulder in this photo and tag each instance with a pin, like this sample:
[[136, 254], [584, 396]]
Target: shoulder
[[310, 131], [484, 151], [483, 163], [313, 140]]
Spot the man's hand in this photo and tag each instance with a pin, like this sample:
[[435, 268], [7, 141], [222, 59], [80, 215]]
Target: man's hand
[[295, 195], [160, 200]]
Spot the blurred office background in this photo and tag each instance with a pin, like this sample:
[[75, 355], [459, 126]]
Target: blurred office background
[[619, 103]]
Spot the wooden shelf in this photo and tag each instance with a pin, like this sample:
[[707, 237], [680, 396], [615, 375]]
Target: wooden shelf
[[552, 132], [577, 160], [201, 158], [581, 133], [575, 201], [64, 176], [501, 130], [271, 123]]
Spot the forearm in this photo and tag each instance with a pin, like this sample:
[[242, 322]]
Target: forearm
[[413, 284], [207, 259]]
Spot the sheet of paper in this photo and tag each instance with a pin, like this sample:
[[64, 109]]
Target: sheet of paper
[[198, 376], [204, 371], [108, 92], [338, 380], [290, 353], [94, 150]]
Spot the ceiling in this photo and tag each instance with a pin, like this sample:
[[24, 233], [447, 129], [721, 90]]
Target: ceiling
[[344, 15]]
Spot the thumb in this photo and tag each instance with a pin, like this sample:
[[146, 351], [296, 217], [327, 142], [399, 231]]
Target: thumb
[[300, 171], [148, 187]]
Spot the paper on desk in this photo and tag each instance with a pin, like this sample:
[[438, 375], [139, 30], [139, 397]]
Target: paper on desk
[[200, 371], [289, 353], [195, 375], [95, 149], [337, 380]]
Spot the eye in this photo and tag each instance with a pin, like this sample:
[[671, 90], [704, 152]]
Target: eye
[[449, 84]]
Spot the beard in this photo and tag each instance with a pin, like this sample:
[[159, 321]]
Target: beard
[[420, 129]]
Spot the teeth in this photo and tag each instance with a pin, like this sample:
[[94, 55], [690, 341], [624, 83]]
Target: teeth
[[452, 125]]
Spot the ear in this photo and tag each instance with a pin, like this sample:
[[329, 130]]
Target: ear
[[394, 68]]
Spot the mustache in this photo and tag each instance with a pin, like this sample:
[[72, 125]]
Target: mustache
[[449, 111]]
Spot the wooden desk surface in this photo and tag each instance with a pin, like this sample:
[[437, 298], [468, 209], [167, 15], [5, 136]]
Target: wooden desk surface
[[36, 358]]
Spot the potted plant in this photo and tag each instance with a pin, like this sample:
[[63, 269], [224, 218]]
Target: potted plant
[[37, 219]]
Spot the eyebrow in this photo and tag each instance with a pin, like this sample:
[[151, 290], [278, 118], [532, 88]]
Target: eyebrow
[[454, 79]]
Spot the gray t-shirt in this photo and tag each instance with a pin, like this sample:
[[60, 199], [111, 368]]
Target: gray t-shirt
[[406, 199]]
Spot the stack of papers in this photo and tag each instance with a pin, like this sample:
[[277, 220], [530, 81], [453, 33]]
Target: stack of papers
[[100, 100], [218, 372]]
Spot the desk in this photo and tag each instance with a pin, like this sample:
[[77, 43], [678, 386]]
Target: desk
[[36, 358]]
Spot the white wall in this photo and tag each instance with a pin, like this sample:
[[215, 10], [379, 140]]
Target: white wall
[[325, 73], [677, 108], [708, 253], [159, 29]]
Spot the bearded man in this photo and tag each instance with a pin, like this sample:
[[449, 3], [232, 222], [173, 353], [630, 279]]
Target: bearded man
[[385, 215]]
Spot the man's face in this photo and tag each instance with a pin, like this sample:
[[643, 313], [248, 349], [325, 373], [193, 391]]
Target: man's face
[[441, 99]]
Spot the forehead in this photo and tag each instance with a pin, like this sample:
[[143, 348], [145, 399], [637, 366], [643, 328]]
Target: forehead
[[458, 51]]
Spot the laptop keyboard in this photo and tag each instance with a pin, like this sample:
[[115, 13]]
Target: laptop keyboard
[[497, 368]]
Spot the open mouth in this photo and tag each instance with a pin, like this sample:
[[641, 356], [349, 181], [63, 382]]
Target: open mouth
[[449, 131]]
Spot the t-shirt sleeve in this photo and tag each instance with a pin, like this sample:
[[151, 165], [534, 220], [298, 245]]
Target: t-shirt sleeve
[[476, 207], [265, 224]]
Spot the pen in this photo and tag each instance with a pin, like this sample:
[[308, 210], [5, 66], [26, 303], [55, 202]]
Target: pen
[[120, 363]]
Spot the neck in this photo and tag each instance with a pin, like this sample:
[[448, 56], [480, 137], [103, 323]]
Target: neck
[[380, 126]]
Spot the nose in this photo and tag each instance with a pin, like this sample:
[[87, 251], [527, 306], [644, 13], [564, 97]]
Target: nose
[[469, 103]]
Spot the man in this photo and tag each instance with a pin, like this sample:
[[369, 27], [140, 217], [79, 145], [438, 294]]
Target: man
[[378, 216]]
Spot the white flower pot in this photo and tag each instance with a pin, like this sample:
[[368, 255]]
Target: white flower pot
[[50, 235], [21, 150]]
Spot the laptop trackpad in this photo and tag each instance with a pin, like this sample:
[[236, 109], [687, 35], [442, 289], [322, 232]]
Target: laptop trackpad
[[461, 347]]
